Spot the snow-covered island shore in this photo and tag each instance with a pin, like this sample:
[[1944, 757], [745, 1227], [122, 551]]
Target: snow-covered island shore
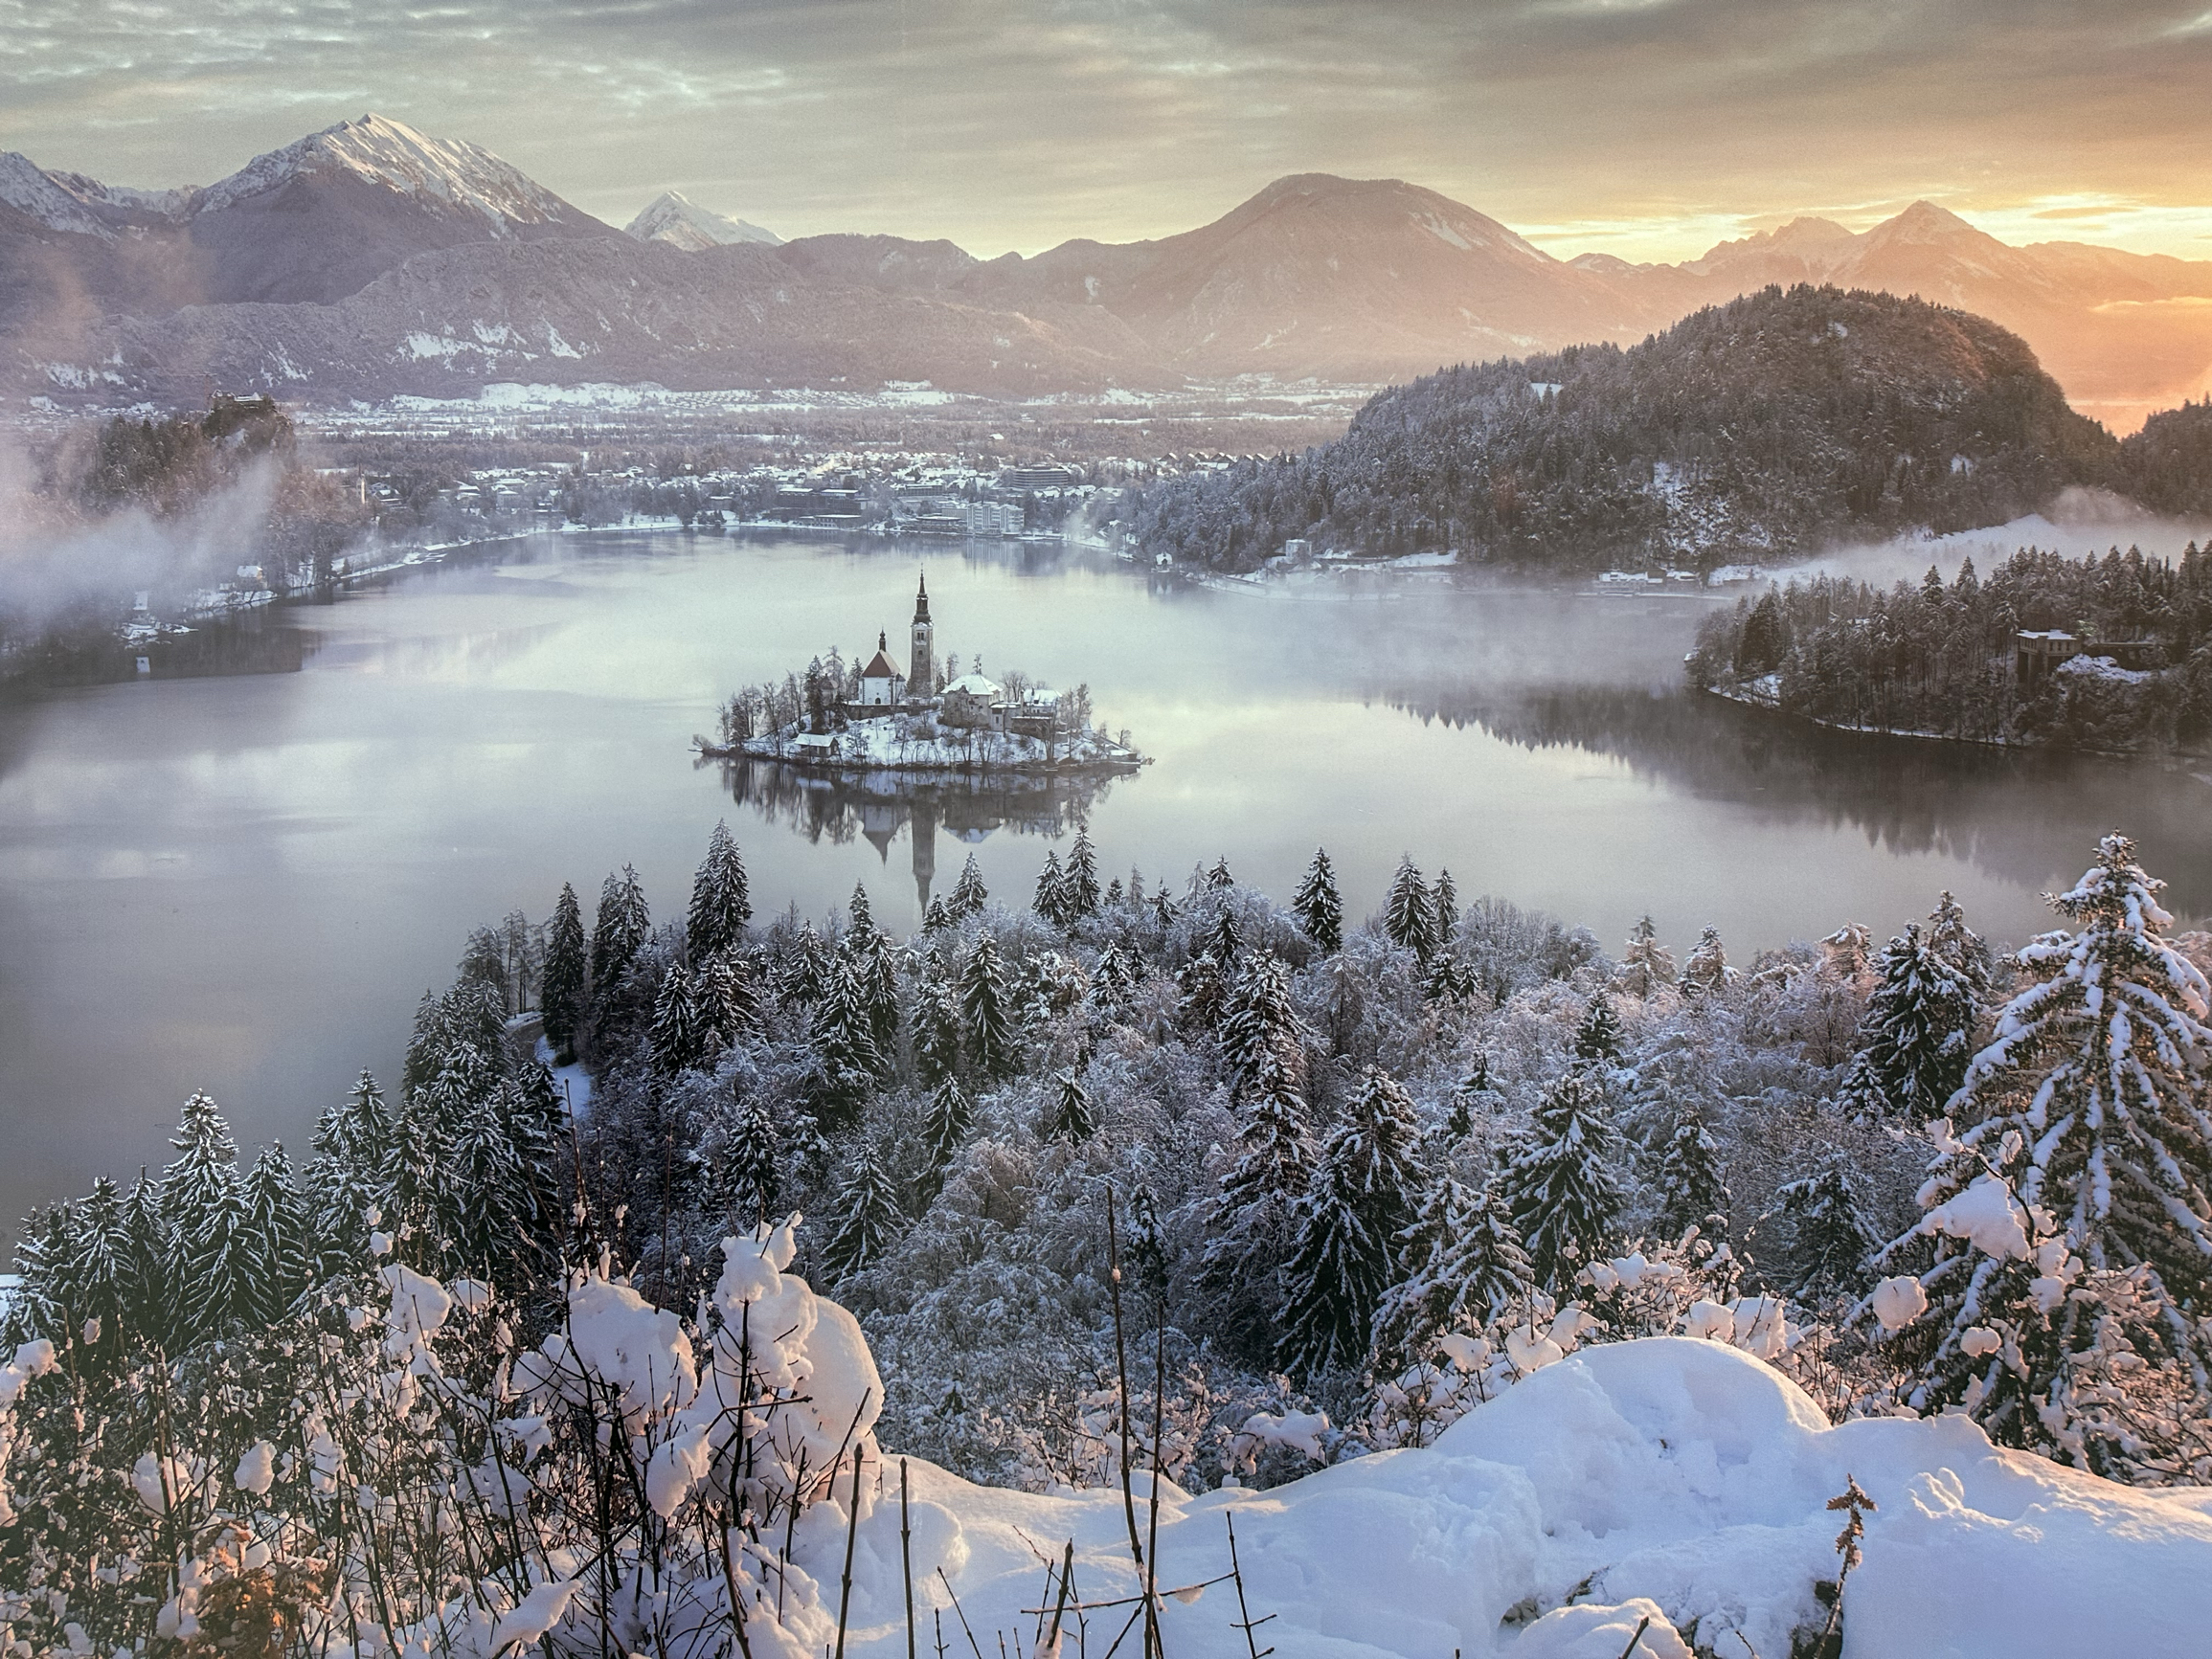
[[919, 743]]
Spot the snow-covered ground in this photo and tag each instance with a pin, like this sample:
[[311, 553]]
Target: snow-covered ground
[[1682, 1472], [904, 743]]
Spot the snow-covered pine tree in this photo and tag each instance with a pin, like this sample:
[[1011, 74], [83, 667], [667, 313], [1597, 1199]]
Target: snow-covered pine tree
[[2086, 1150], [1915, 1036], [843, 1038], [1225, 939], [1447, 896], [1320, 912], [1691, 1190], [945, 1123], [563, 991], [1468, 1269], [938, 1033], [1113, 986], [1409, 917], [868, 1217], [1115, 896], [204, 1203], [1164, 909], [351, 1174], [683, 1035], [1475, 1093], [154, 1293], [1561, 1191], [1830, 1239], [46, 1303], [1646, 964], [1218, 879], [986, 1025], [1598, 1039], [1257, 1017], [1144, 1247], [1050, 902], [1707, 971], [620, 928], [969, 893], [1959, 944], [1344, 1256], [278, 1270], [752, 1158], [105, 1266], [1273, 1166], [937, 918], [729, 996], [800, 970], [1079, 882], [1201, 993], [1069, 1116], [721, 899], [875, 968]]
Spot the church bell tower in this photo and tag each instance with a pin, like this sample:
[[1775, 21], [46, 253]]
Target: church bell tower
[[921, 670]]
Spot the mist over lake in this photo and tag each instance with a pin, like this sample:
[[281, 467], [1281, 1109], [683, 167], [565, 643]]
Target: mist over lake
[[238, 872]]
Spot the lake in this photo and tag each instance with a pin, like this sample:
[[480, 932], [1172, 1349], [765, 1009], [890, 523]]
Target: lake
[[239, 872]]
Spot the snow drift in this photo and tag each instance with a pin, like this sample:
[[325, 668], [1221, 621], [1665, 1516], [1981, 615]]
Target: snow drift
[[1680, 1471]]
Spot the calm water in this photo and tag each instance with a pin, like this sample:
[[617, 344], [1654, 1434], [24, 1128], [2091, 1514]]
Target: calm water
[[240, 873]]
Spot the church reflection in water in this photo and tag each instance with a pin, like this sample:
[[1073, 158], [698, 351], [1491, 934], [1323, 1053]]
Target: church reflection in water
[[877, 805]]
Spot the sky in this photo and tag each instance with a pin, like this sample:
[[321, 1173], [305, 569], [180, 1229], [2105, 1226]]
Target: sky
[[1646, 129]]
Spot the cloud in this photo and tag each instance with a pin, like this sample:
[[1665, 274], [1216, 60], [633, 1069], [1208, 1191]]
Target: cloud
[[1657, 124]]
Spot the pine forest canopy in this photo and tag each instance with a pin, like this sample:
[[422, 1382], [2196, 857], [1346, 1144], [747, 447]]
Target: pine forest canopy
[[1760, 429]]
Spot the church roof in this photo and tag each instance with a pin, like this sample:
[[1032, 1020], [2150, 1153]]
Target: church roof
[[975, 686], [880, 667]]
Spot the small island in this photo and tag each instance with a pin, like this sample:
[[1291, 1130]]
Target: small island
[[931, 718]]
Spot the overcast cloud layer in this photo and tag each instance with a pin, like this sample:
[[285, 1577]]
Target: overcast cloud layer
[[1650, 128]]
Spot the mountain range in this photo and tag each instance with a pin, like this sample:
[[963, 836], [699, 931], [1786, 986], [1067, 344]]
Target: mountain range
[[370, 259]]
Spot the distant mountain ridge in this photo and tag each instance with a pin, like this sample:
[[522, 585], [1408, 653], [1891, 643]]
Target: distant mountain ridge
[[115, 292]]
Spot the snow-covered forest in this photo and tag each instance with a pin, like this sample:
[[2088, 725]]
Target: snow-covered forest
[[1140, 1189], [1936, 658]]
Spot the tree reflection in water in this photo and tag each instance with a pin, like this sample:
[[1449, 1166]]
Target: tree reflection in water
[[877, 805], [2029, 817]]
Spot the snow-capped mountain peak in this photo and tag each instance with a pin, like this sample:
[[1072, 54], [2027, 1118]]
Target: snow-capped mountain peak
[[396, 156], [28, 188], [674, 218]]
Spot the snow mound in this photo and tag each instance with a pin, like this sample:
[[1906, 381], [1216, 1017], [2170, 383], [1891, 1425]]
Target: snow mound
[[1684, 1480]]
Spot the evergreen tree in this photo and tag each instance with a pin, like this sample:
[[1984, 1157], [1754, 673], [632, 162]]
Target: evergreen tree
[[1258, 1017], [276, 1243], [801, 968], [970, 893], [843, 1038], [153, 1292], [1560, 1192], [1707, 971], [946, 1122], [1471, 1269], [1113, 986], [1475, 1093], [1202, 993], [1069, 1117], [729, 998], [204, 1203], [1321, 913], [1079, 883], [618, 930], [1344, 1257], [1598, 1039], [721, 902], [1829, 1237], [486, 1197], [1691, 1192], [1447, 908], [1915, 1038], [1144, 1247], [1051, 901], [752, 1154], [683, 1033], [868, 1217], [1647, 964], [1218, 879], [2086, 1126], [562, 992], [937, 1035], [937, 918], [354, 1143], [984, 1011], [1959, 944], [1410, 918], [1225, 937]]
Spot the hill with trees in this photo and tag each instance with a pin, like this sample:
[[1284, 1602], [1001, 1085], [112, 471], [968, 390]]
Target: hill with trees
[[1940, 659], [1754, 429]]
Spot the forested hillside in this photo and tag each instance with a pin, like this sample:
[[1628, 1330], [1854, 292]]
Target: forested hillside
[[1757, 430], [2168, 465], [1938, 659]]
